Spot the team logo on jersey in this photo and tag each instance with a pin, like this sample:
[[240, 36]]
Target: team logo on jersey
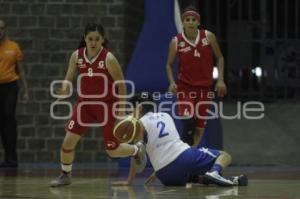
[[181, 44], [80, 63], [100, 64], [204, 42], [186, 49]]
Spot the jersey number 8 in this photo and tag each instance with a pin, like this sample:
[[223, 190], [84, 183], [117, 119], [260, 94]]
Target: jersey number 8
[[90, 72]]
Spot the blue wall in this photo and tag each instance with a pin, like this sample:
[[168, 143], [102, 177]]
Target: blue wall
[[147, 68]]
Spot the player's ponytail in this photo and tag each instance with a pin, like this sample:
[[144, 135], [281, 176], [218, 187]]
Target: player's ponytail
[[81, 43], [105, 43]]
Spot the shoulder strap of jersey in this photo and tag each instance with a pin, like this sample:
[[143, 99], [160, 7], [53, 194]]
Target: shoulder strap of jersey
[[80, 53]]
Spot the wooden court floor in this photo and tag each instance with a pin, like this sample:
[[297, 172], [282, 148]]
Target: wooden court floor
[[94, 181]]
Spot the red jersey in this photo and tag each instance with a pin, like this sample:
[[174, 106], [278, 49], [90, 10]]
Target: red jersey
[[195, 60], [94, 81]]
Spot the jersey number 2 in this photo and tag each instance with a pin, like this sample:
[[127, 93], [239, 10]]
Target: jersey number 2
[[162, 133]]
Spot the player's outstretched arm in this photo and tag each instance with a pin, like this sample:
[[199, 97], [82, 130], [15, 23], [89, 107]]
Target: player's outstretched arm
[[132, 170], [131, 175], [150, 179]]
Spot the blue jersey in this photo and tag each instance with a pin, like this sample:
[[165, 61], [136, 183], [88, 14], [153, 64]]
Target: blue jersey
[[172, 159], [164, 144]]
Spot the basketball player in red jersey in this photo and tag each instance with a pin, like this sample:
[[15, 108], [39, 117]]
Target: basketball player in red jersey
[[98, 71], [196, 49]]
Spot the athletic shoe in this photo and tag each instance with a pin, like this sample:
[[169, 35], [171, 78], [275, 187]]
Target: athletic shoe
[[240, 180], [141, 157], [62, 180], [215, 178], [243, 180]]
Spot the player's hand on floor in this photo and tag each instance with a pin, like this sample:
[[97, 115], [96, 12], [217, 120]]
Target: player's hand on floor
[[150, 179], [121, 183]]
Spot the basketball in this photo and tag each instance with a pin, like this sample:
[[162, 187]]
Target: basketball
[[125, 130]]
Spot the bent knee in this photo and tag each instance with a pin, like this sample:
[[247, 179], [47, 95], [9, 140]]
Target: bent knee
[[113, 153], [226, 155]]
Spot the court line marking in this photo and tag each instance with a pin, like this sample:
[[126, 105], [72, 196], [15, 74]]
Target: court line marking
[[45, 183], [166, 191], [84, 181]]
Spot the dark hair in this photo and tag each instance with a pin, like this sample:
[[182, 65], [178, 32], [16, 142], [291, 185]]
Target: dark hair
[[190, 8], [90, 27], [145, 99]]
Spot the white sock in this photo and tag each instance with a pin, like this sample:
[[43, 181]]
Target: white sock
[[136, 149], [66, 167]]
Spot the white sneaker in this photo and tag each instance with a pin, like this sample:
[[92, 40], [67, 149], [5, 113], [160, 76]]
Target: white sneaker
[[215, 178], [141, 157]]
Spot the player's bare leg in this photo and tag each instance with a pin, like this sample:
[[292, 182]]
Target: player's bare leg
[[123, 150], [67, 152], [137, 150], [214, 175], [66, 158], [224, 159]]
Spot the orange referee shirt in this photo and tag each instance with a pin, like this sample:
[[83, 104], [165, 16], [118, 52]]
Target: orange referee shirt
[[10, 54]]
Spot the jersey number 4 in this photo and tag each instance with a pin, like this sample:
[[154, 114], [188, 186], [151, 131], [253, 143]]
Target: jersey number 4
[[196, 53], [161, 126]]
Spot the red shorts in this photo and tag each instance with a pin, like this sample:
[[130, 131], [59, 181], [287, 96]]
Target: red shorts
[[193, 101], [94, 113]]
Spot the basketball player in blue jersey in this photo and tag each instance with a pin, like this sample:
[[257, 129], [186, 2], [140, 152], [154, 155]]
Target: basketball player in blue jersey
[[172, 159]]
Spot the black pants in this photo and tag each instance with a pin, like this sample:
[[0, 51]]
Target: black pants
[[8, 122]]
